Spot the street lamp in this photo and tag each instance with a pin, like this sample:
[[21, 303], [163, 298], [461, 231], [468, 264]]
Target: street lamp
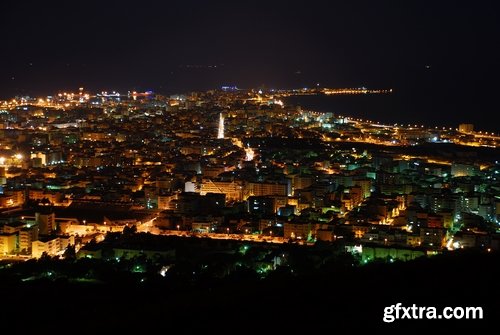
[[227, 229], [178, 227]]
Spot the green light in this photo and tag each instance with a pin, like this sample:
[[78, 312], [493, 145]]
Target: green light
[[243, 249]]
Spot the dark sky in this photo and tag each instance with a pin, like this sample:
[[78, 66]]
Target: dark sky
[[175, 46]]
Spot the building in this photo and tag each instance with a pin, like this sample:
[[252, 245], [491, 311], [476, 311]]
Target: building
[[302, 181], [26, 237], [267, 188], [203, 225], [435, 221], [8, 243], [414, 240], [7, 201], [466, 128], [300, 230], [50, 245], [220, 130], [470, 203], [365, 184], [433, 237], [53, 197], [66, 241], [164, 201], [463, 170], [261, 205], [40, 158], [212, 171], [46, 222], [232, 190]]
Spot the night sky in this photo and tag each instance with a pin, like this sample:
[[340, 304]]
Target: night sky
[[438, 50]]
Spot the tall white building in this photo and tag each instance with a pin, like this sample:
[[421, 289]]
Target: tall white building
[[220, 133]]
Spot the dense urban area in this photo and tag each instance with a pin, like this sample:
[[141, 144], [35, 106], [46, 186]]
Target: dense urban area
[[215, 184]]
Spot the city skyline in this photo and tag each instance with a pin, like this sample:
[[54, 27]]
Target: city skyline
[[213, 166], [60, 99], [224, 194], [438, 55]]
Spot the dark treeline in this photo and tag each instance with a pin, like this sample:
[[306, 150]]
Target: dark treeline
[[336, 296]]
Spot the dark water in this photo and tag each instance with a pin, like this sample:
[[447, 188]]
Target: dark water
[[415, 108]]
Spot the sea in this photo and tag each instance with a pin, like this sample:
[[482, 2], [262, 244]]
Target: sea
[[402, 108]]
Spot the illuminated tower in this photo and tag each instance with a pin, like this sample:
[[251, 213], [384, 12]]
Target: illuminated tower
[[220, 132]]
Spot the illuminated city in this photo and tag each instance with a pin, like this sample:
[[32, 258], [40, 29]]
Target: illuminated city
[[296, 194]]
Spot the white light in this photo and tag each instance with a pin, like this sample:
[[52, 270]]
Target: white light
[[220, 133], [164, 270], [249, 154]]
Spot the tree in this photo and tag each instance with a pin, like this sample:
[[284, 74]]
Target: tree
[[44, 257], [129, 230], [70, 253]]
